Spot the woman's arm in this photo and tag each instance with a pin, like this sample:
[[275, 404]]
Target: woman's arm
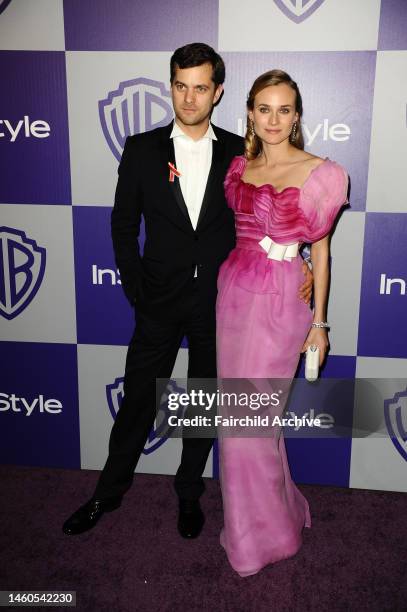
[[320, 269]]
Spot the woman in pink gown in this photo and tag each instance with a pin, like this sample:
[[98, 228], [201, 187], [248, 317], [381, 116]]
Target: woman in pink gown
[[281, 197]]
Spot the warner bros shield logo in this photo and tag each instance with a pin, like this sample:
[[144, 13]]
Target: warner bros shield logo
[[22, 267], [114, 395], [135, 106], [3, 5], [395, 413], [298, 10]]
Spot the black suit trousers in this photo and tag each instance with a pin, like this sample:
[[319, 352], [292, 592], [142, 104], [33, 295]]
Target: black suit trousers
[[151, 354]]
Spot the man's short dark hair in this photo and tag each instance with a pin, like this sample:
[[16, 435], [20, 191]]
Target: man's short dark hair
[[196, 54]]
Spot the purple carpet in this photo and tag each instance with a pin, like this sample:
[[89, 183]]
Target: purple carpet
[[353, 558]]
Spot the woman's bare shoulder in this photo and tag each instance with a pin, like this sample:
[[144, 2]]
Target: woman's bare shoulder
[[310, 161]]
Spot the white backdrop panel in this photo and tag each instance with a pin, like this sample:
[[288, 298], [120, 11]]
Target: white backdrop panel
[[387, 187], [50, 316], [266, 25], [99, 366], [375, 461], [90, 77], [33, 25]]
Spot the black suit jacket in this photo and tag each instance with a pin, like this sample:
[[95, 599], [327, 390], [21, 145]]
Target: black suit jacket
[[156, 282]]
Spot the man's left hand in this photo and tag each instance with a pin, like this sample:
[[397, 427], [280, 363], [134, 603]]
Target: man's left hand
[[305, 291]]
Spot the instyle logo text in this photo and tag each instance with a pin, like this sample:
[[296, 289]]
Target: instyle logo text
[[24, 128], [28, 406]]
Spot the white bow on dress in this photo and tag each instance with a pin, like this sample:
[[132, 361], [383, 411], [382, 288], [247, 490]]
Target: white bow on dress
[[278, 251]]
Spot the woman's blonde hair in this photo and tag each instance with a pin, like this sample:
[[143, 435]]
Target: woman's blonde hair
[[253, 146]]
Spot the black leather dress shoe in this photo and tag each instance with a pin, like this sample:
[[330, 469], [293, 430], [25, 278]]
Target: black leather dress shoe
[[88, 515], [190, 519]]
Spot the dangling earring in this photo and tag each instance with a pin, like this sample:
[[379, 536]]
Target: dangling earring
[[251, 128], [293, 132]]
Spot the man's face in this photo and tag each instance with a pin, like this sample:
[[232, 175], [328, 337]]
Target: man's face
[[194, 94]]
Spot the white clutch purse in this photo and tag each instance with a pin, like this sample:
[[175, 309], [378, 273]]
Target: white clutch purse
[[312, 363]]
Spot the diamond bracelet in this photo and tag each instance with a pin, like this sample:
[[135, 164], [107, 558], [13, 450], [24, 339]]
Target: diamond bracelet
[[322, 324]]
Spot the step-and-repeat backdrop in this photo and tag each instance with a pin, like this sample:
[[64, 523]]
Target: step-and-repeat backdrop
[[78, 76]]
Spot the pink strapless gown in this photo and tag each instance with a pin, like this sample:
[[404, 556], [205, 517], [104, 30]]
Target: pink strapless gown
[[261, 327]]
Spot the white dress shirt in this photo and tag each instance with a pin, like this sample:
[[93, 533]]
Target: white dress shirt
[[193, 160]]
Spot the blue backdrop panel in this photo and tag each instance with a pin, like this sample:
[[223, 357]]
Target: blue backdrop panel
[[39, 405]]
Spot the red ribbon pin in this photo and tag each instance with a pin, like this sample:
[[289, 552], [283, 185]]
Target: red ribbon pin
[[173, 172]]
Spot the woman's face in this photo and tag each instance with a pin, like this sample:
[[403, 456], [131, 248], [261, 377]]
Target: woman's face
[[274, 113]]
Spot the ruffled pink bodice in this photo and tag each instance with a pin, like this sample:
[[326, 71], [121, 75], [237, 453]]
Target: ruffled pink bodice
[[294, 214]]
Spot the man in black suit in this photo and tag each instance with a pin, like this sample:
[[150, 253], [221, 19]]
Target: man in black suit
[[173, 177]]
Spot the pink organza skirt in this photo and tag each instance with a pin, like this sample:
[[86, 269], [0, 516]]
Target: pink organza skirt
[[261, 327]]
